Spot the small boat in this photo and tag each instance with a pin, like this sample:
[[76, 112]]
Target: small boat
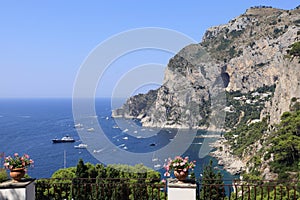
[[122, 145], [78, 125], [90, 129], [81, 146], [157, 166], [63, 139]]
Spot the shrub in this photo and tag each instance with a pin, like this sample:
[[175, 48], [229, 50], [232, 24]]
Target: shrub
[[3, 175], [295, 50], [294, 99]]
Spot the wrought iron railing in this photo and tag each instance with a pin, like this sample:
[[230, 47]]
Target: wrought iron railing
[[146, 189], [106, 189], [248, 190]]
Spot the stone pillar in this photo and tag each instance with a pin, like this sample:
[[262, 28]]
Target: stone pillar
[[181, 190], [23, 190]]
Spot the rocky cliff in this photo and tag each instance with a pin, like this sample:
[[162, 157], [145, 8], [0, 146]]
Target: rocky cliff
[[244, 56]]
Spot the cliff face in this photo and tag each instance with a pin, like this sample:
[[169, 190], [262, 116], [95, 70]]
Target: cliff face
[[245, 55], [287, 88], [193, 89]]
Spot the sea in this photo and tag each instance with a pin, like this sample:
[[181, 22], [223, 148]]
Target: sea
[[29, 125]]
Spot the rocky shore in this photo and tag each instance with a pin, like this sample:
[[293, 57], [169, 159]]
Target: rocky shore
[[223, 154]]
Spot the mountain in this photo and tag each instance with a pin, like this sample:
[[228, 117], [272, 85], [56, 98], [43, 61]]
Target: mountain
[[240, 72], [244, 79]]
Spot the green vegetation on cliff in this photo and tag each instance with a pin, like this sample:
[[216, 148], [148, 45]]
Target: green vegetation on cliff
[[277, 146], [295, 49], [246, 107], [246, 135], [285, 145]]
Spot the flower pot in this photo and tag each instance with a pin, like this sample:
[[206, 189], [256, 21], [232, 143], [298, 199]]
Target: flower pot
[[17, 174], [181, 175]]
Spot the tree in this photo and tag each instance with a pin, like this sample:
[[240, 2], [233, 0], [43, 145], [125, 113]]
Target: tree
[[61, 181], [80, 183], [286, 144], [88, 181], [81, 170], [212, 186]]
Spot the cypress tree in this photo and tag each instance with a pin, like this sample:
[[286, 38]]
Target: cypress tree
[[80, 185], [212, 186]]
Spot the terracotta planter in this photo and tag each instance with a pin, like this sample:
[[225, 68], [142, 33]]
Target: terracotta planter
[[17, 174], [181, 175]]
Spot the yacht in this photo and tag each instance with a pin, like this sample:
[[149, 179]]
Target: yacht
[[63, 139]]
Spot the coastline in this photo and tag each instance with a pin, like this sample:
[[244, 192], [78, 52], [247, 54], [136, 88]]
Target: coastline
[[146, 124], [232, 164], [222, 153]]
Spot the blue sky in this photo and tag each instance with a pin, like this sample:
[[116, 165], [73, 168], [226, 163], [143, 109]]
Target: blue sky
[[44, 43]]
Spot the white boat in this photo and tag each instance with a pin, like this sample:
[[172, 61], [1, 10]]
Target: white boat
[[157, 166], [98, 151], [63, 139], [81, 146], [122, 145], [78, 125], [90, 129], [154, 159]]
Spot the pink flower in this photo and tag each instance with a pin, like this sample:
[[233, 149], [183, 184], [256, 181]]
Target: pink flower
[[17, 161], [179, 164], [6, 164], [163, 181], [167, 174]]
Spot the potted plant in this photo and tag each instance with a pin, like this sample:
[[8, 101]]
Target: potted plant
[[180, 166], [17, 165]]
